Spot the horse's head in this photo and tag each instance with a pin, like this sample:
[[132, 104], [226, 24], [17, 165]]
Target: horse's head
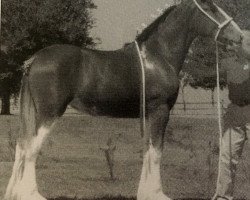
[[212, 21]]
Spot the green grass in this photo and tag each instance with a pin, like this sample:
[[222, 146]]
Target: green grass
[[72, 165]]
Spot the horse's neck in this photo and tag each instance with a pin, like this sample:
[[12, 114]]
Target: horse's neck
[[172, 40]]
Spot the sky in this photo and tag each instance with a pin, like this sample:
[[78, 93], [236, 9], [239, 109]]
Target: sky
[[117, 21]]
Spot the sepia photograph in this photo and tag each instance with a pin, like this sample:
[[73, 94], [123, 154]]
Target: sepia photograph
[[124, 99]]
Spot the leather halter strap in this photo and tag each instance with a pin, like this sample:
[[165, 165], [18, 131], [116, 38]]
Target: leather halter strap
[[220, 25]]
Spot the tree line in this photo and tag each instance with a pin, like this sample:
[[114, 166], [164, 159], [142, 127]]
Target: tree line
[[30, 25]]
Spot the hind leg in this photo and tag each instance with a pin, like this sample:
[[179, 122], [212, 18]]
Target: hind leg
[[22, 184]]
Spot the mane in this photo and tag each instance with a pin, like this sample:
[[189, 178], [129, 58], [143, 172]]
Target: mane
[[147, 32]]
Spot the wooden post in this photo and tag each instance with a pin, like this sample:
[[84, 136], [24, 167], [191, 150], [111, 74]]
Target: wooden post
[[109, 151]]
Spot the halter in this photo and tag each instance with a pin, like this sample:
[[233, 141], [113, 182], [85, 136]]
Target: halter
[[220, 25]]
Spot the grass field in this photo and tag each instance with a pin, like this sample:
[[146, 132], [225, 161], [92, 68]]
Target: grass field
[[72, 165]]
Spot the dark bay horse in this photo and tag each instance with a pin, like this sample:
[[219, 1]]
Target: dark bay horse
[[108, 83]]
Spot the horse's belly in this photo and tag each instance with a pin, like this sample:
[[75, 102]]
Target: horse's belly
[[127, 108]]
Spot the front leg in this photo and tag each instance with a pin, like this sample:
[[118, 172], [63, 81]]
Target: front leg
[[150, 186]]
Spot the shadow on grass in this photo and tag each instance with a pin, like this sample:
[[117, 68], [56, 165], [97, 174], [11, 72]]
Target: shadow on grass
[[119, 198], [101, 198]]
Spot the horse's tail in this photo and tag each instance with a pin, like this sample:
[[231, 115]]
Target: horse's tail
[[27, 105]]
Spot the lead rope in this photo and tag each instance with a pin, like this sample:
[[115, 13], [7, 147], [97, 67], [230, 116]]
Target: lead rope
[[218, 92], [143, 95], [219, 111]]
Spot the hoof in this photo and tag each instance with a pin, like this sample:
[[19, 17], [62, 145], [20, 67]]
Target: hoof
[[161, 196], [154, 196], [24, 196]]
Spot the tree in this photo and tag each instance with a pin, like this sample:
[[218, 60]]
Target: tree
[[30, 25], [201, 65], [208, 83], [9, 76]]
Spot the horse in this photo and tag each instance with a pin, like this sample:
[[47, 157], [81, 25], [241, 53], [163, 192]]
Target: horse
[[109, 83]]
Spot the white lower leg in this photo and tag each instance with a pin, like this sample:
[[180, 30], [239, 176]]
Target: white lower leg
[[17, 171], [22, 185], [27, 186], [150, 186]]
